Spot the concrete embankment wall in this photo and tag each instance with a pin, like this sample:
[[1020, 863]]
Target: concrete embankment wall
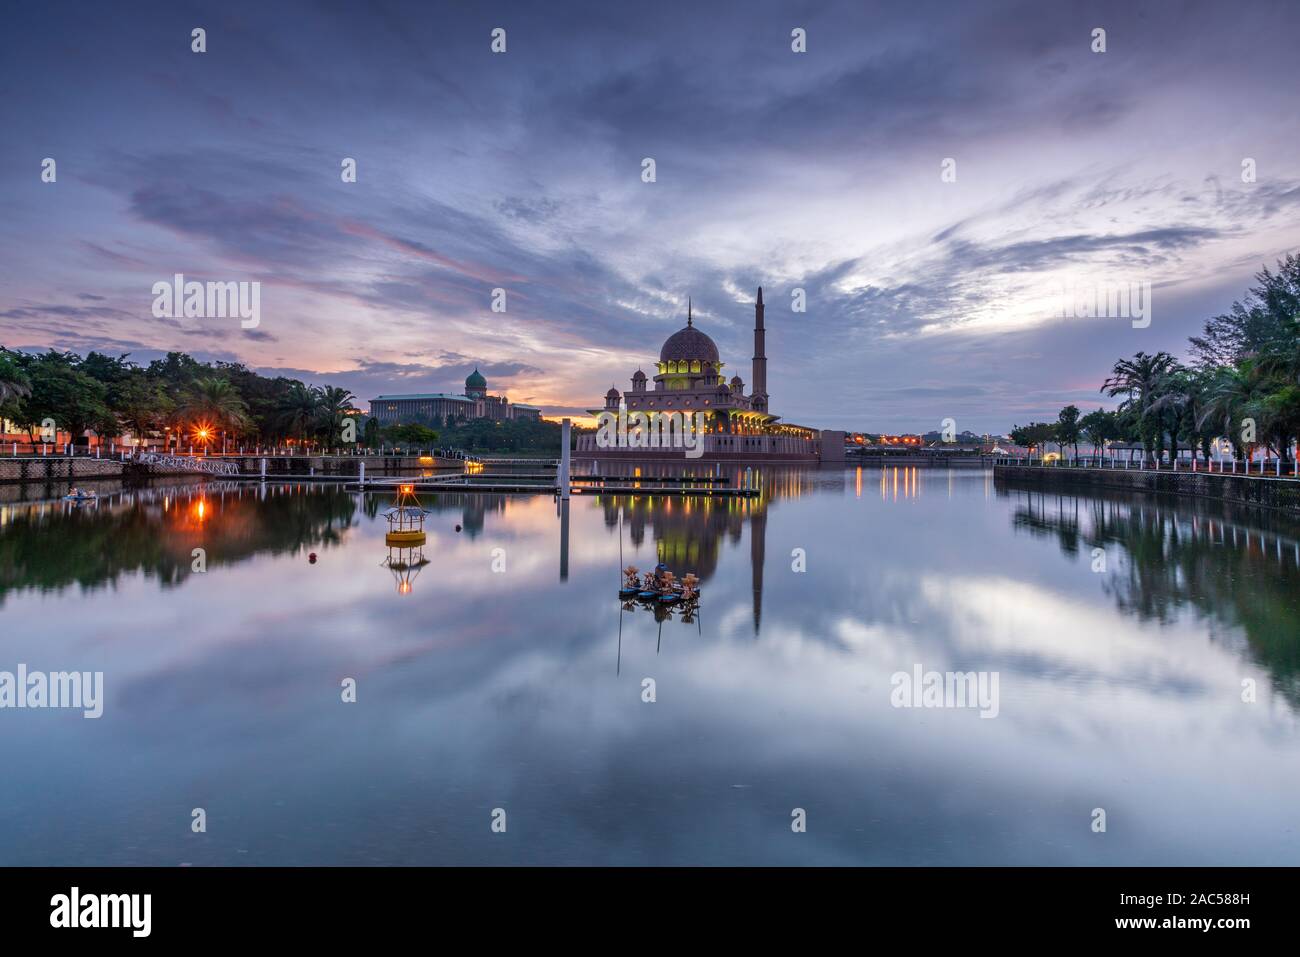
[[62, 468], [339, 464], [936, 460], [57, 468], [1279, 493]]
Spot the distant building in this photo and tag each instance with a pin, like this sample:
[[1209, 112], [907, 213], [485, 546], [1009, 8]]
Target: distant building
[[910, 440], [430, 408]]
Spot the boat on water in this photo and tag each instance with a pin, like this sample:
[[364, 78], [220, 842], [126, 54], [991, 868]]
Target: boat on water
[[81, 495]]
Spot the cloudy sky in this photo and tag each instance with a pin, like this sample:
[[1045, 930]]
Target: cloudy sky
[[522, 170]]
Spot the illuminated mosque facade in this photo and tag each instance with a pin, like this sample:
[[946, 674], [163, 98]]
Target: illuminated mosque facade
[[689, 378]]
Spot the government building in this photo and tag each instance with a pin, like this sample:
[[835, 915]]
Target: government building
[[436, 408], [690, 378]]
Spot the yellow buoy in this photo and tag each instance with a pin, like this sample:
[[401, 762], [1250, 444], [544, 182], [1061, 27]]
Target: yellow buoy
[[405, 519], [405, 538]]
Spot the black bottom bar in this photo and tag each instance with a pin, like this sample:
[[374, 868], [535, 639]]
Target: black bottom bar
[[336, 905]]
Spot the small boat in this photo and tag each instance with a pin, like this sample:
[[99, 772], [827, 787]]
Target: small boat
[[670, 599], [647, 595], [81, 497], [628, 592]]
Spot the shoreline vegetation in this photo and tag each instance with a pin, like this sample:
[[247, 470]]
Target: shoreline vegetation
[[178, 402], [1238, 388]]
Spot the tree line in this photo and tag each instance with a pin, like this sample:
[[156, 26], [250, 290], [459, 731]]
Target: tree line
[[207, 403], [198, 402], [1240, 382]]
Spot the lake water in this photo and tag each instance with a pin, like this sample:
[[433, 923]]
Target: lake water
[[1123, 631]]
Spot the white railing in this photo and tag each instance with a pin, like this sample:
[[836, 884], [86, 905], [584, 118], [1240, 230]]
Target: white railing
[[1272, 467], [186, 463]]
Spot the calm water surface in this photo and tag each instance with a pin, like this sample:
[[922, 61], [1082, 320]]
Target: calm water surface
[[521, 689]]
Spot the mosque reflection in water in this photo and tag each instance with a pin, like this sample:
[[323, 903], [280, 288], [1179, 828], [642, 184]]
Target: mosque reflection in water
[[690, 532], [689, 535], [1231, 567]]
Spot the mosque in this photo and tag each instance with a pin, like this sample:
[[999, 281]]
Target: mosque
[[740, 425]]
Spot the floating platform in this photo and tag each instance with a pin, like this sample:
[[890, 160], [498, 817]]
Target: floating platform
[[668, 490], [656, 597], [471, 484]]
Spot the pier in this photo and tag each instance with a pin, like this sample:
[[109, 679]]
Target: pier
[[424, 472], [549, 484]]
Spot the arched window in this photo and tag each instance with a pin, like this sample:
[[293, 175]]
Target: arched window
[[695, 365]]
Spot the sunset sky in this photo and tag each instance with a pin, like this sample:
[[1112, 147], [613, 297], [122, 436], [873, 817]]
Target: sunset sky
[[522, 170]]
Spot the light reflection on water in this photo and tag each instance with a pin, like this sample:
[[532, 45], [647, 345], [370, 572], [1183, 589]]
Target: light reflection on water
[[521, 688]]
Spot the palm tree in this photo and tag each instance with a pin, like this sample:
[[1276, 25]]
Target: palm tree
[[1193, 388], [14, 383], [1233, 395], [214, 403], [1144, 380], [300, 409], [1172, 406], [334, 402], [1280, 363]]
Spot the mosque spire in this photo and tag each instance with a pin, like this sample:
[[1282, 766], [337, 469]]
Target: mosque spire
[[688, 312], [758, 380]]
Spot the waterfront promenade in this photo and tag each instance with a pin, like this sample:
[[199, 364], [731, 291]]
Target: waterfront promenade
[[1269, 487], [66, 467]]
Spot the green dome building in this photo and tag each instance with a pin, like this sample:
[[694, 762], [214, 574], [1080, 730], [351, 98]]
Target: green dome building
[[437, 408]]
